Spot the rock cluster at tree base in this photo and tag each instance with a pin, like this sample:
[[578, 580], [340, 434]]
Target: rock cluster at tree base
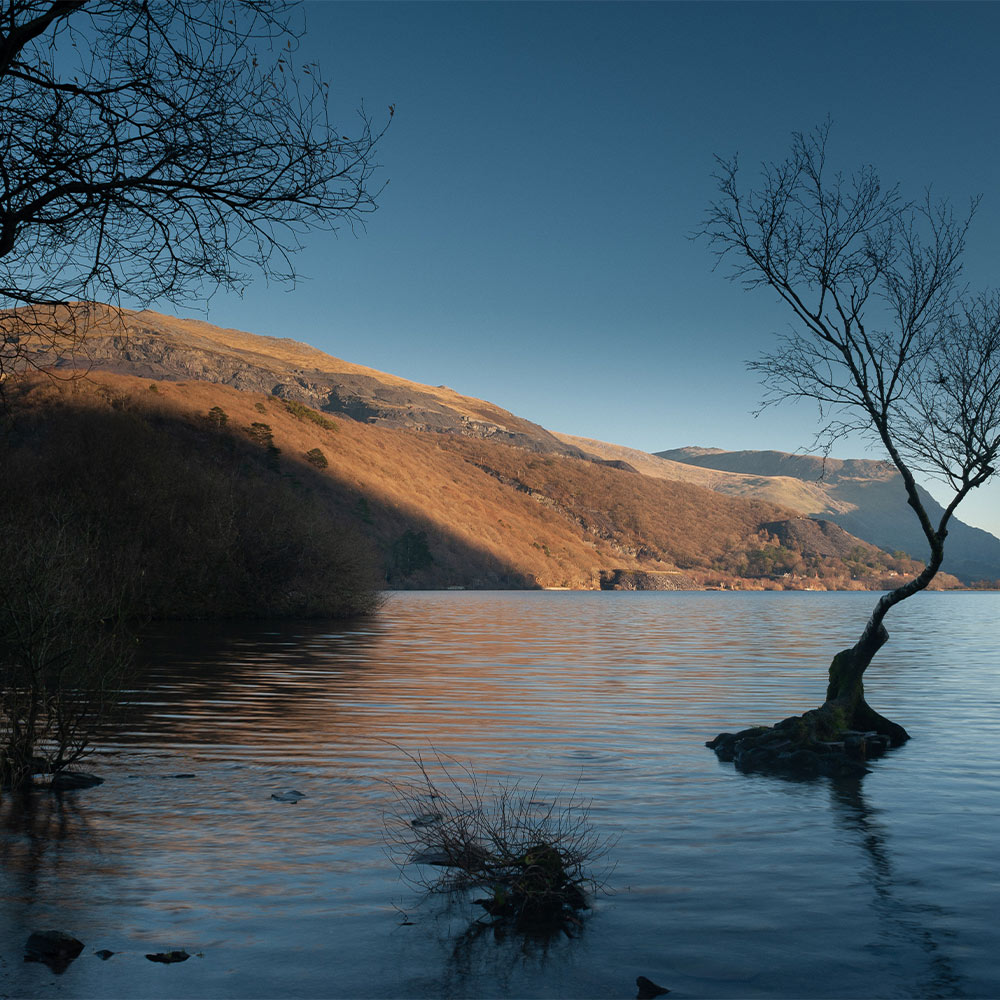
[[801, 746]]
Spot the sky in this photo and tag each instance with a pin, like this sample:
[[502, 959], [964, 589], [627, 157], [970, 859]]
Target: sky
[[549, 163]]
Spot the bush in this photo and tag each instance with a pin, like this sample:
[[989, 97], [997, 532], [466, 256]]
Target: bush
[[461, 832], [303, 412], [218, 417], [409, 553], [65, 643], [316, 457]]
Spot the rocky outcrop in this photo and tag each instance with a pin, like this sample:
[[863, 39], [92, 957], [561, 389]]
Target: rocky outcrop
[[158, 347], [630, 579], [801, 747]]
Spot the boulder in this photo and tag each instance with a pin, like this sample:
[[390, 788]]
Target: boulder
[[56, 949]]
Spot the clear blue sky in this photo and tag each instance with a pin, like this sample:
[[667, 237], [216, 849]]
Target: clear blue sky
[[547, 163]]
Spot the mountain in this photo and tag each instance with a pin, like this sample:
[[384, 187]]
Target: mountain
[[866, 498], [454, 491], [160, 347]]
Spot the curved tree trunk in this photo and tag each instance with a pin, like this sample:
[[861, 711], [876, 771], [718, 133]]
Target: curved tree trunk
[[845, 694]]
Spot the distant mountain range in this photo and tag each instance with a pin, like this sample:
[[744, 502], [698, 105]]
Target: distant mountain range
[[865, 498], [455, 491]]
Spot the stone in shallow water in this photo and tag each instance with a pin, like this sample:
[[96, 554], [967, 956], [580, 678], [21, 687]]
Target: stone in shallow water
[[169, 957], [291, 795], [791, 750], [427, 819], [56, 949], [648, 990], [68, 780]]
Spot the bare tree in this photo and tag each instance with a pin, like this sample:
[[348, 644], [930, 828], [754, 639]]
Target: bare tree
[[65, 645], [884, 339], [159, 149]]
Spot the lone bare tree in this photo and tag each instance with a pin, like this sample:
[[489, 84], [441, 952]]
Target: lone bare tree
[[884, 338], [158, 149]]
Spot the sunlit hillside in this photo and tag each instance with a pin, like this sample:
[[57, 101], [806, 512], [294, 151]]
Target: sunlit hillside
[[446, 510]]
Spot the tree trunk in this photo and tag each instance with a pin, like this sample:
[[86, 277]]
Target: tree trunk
[[845, 694]]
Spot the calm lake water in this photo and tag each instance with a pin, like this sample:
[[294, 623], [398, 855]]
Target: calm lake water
[[725, 885]]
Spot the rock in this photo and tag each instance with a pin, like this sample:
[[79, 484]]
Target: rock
[[627, 579], [185, 775], [427, 819], [801, 747], [440, 858], [169, 957], [288, 796], [648, 990], [56, 949], [67, 780], [104, 954], [805, 763]]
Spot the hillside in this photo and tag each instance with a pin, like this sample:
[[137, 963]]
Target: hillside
[[865, 498], [444, 510], [454, 491], [167, 349]]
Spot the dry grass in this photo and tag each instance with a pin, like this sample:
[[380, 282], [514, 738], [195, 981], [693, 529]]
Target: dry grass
[[493, 515]]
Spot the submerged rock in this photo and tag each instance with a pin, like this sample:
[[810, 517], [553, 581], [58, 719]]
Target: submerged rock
[[648, 990], [427, 819], [288, 796], [56, 949], [169, 957], [67, 780]]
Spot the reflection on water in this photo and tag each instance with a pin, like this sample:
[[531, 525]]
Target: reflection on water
[[726, 884], [907, 934]]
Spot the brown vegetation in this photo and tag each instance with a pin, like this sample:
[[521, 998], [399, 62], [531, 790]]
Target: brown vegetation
[[190, 509], [444, 510]]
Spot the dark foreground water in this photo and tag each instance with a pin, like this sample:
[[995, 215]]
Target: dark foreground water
[[725, 885]]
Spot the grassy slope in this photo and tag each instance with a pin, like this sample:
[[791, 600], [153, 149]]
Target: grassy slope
[[496, 516]]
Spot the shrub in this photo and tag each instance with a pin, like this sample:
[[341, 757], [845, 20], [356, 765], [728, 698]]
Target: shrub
[[218, 417], [316, 457], [363, 510], [303, 412], [409, 553], [65, 643], [460, 832]]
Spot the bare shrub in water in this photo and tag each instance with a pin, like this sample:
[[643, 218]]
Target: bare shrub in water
[[65, 646], [533, 856]]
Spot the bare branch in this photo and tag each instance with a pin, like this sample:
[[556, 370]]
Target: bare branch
[[161, 149]]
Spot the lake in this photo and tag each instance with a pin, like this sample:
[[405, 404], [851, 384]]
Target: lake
[[724, 884]]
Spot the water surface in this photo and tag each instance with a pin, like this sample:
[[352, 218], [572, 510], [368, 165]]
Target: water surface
[[725, 885]]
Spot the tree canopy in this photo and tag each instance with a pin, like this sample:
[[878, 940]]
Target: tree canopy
[[162, 149]]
